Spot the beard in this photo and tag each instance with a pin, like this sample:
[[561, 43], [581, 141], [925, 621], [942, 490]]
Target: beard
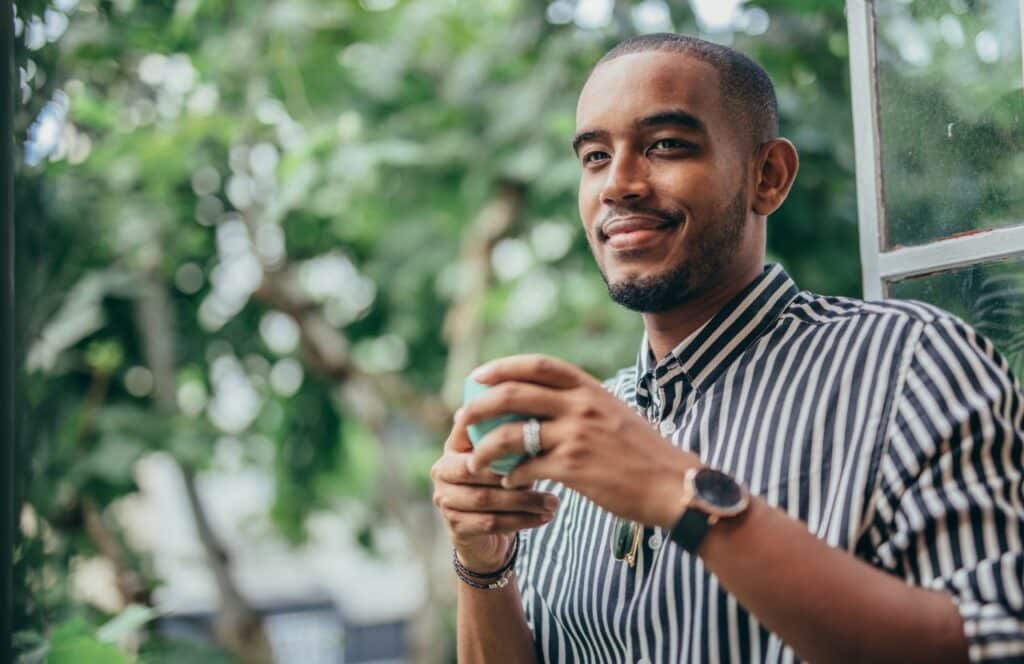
[[658, 293]]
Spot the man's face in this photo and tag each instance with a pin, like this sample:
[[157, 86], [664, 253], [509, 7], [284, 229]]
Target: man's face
[[663, 194]]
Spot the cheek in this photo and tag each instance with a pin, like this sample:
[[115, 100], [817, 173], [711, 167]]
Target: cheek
[[589, 206], [686, 182], [587, 191]]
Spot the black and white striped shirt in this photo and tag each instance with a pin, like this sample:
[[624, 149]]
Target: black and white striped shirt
[[892, 429]]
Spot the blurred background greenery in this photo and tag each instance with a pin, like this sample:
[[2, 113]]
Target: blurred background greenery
[[261, 244]]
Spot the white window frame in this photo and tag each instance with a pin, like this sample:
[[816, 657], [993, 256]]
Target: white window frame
[[880, 266]]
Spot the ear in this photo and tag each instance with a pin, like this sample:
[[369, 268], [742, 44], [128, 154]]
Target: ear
[[775, 167]]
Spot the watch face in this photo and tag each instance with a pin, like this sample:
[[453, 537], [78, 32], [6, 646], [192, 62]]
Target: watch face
[[717, 489]]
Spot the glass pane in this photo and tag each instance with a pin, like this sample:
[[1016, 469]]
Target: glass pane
[[952, 116], [989, 296]]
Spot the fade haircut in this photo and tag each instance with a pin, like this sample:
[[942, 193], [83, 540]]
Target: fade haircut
[[747, 91]]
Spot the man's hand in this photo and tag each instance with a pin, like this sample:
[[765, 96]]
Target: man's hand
[[591, 441], [480, 514]]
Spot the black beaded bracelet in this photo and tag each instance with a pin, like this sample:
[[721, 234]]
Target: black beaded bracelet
[[500, 582], [489, 580], [459, 567]]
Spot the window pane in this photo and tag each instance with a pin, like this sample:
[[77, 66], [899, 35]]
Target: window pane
[[989, 296], [952, 116]]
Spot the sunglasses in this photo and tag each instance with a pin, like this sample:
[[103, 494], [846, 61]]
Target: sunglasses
[[625, 540]]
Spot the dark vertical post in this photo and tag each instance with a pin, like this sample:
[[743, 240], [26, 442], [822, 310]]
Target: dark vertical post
[[7, 83]]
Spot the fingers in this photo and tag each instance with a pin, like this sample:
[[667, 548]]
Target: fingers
[[540, 369], [508, 439], [480, 507], [458, 440], [469, 524], [452, 468], [465, 498], [473, 503], [531, 470], [514, 397]]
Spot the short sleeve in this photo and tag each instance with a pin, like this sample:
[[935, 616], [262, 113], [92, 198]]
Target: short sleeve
[[949, 508]]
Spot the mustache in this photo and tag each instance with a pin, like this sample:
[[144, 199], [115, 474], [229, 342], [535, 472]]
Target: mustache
[[673, 217]]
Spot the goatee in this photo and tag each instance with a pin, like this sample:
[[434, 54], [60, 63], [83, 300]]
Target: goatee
[[658, 293], [654, 294]]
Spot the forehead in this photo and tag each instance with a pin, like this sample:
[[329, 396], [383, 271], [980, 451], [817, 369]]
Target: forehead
[[633, 86]]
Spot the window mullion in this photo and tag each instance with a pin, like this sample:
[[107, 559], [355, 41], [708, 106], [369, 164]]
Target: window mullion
[[1020, 3], [952, 253], [860, 16]]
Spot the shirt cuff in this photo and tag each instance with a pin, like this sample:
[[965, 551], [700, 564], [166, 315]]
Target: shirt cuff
[[993, 634]]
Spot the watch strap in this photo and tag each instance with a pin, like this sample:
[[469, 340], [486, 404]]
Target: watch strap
[[690, 529]]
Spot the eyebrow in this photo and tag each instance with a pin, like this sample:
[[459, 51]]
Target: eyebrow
[[670, 118], [674, 117]]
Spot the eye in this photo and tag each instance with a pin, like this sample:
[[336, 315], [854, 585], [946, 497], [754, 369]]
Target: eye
[[670, 144], [594, 156]]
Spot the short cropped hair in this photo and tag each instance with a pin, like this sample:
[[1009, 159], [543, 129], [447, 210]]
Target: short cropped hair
[[747, 90]]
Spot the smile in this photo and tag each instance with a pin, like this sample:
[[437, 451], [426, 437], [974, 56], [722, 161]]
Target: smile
[[635, 232]]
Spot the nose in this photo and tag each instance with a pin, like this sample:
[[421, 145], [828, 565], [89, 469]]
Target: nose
[[627, 180]]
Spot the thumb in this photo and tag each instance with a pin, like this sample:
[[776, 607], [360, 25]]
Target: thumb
[[458, 439]]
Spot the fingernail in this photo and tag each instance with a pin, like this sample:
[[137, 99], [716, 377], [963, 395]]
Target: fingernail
[[471, 466], [458, 414], [506, 483], [550, 503], [480, 373], [547, 516]]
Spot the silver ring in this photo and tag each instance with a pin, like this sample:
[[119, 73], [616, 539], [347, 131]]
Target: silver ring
[[531, 437]]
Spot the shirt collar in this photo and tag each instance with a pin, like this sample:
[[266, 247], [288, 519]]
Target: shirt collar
[[711, 348]]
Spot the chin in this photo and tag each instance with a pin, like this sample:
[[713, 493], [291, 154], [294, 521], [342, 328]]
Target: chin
[[620, 272], [653, 290]]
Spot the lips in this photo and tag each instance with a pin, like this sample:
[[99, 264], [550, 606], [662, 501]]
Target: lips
[[632, 234], [623, 225]]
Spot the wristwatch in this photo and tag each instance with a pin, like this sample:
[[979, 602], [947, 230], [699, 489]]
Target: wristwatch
[[710, 495]]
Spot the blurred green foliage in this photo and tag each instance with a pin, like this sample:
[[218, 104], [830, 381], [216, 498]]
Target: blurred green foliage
[[252, 220], [74, 643]]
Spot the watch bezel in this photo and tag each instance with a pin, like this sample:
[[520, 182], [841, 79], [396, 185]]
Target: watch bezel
[[713, 510]]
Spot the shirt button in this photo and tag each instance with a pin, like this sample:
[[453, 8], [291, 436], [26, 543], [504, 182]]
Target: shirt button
[[667, 428], [654, 541]]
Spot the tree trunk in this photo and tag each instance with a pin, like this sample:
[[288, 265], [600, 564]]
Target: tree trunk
[[237, 627], [130, 584], [368, 399], [463, 325]]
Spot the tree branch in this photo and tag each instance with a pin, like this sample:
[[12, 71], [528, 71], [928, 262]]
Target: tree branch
[[325, 351], [238, 627], [463, 325], [130, 584]]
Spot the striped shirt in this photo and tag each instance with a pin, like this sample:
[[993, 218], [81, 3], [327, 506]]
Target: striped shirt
[[891, 429]]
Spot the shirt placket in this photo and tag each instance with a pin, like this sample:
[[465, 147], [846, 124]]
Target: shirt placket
[[652, 537]]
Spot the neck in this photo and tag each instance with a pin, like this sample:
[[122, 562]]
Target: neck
[[665, 330]]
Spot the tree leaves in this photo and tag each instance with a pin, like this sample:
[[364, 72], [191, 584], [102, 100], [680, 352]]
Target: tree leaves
[[75, 643], [390, 131]]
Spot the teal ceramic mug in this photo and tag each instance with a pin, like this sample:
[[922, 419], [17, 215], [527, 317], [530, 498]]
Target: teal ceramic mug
[[505, 464]]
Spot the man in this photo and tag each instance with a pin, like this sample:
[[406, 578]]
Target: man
[[817, 478]]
